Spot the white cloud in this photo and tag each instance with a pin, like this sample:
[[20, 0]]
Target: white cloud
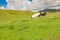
[[35, 5], [2, 7], [16, 4]]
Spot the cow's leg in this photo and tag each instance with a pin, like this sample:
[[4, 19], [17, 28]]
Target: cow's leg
[[42, 13]]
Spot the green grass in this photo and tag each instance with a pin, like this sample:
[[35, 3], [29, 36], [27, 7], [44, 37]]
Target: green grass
[[18, 25]]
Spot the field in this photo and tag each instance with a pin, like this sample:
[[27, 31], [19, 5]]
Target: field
[[18, 25]]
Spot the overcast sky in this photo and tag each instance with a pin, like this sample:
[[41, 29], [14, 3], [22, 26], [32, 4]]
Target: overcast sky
[[34, 5]]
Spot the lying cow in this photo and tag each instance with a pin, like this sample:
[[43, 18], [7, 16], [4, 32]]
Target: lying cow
[[40, 13]]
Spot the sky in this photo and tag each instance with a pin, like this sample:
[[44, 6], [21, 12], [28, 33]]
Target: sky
[[3, 3], [33, 5]]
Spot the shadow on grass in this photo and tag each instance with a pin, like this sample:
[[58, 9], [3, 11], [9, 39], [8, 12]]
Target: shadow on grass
[[7, 26], [24, 20], [11, 27], [14, 13], [23, 28]]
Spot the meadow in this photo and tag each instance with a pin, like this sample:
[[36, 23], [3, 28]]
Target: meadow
[[18, 25]]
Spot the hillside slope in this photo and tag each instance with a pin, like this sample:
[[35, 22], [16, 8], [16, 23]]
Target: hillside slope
[[18, 25]]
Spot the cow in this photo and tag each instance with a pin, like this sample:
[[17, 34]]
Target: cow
[[40, 13]]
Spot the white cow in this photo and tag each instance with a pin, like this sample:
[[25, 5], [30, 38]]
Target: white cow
[[39, 14], [35, 15]]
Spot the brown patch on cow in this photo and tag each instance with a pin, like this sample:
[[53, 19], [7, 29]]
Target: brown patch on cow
[[42, 13]]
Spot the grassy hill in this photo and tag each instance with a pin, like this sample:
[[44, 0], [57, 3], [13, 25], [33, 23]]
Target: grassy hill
[[18, 25]]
